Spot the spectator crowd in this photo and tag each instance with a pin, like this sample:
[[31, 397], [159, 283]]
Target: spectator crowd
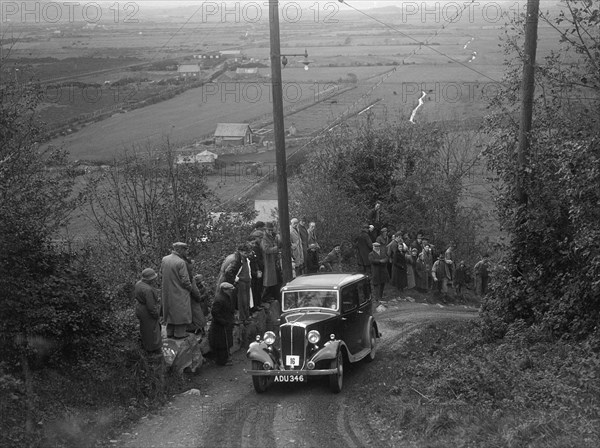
[[252, 276]]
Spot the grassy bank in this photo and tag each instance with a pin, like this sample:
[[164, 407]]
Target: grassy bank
[[448, 388]]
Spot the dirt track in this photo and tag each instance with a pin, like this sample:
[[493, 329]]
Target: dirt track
[[227, 412]]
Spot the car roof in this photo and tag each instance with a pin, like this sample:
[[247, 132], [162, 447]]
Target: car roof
[[321, 281]]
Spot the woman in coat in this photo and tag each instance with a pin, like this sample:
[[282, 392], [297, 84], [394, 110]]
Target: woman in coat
[[399, 267], [411, 258], [421, 273], [147, 310], [220, 334]]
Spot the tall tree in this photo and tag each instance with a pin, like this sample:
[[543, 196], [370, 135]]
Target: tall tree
[[553, 259]]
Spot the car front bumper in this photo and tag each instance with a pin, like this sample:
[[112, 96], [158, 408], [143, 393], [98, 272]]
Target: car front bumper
[[274, 372]]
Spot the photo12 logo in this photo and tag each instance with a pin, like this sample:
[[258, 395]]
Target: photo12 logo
[[257, 92], [450, 92], [68, 12], [450, 12], [255, 11]]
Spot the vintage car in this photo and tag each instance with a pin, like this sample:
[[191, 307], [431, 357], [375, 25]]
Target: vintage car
[[326, 320]]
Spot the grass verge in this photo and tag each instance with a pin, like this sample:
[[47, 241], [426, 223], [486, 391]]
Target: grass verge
[[447, 388]]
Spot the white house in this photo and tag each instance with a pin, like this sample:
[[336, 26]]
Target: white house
[[205, 158]]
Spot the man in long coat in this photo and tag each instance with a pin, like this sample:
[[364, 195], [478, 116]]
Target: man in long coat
[[379, 273], [220, 334], [312, 260], [297, 248], [364, 246], [257, 261], [304, 237], [270, 249], [176, 288], [147, 310]]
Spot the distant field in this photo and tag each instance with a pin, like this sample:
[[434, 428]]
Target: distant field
[[182, 119]]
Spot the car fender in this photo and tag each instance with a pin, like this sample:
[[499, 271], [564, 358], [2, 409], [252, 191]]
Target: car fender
[[257, 351], [329, 351], [373, 322]]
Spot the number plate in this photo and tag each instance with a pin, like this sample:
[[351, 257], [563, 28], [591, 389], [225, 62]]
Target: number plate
[[289, 378], [292, 361]]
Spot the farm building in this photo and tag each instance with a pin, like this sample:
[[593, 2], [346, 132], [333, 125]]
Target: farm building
[[189, 70], [236, 55], [247, 71], [233, 134], [205, 158]]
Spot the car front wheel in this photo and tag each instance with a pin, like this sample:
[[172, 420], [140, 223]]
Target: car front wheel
[[336, 380], [261, 383]]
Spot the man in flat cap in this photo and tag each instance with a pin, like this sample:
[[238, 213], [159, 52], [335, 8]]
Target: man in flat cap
[[364, 246], [176, 288], [379, 273]]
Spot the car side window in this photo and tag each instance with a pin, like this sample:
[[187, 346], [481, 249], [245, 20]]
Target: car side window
[[366, 287], [349, 297], [363, 292]]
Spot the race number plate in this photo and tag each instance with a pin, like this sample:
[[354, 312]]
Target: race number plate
[[292, 361], [289, 378]]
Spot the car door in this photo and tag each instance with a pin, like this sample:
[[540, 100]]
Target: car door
[[364, 312], [351, 325]]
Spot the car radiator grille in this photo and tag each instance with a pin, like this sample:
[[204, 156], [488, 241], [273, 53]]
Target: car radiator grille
[[293, 343]]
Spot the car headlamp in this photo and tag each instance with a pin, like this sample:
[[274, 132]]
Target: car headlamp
[[269, 338], [314, 336]]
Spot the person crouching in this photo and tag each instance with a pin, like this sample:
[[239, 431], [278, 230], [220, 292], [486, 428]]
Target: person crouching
[[220, 334]]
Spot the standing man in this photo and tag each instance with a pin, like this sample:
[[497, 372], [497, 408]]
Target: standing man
[[147, 310], [296, 241], [481, 269], [220, 334], [176, 288], [376, 218], [257, 261], [441, 275], [312, 262], [449, 256], [270, 249], [304, 237], [236, 271], [364, 246], [379, 276], [428, 260], [460, 277]]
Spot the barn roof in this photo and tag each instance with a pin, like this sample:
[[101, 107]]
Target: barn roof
[[232, 129]]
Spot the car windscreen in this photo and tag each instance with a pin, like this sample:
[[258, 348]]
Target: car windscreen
[[310, 299]]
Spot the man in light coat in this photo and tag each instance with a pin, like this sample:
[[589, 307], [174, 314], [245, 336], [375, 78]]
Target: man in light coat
[[297, 248], [270, 249], [175, 291]]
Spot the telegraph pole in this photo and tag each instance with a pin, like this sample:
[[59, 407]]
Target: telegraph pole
[[527, 91], [279, 131]]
